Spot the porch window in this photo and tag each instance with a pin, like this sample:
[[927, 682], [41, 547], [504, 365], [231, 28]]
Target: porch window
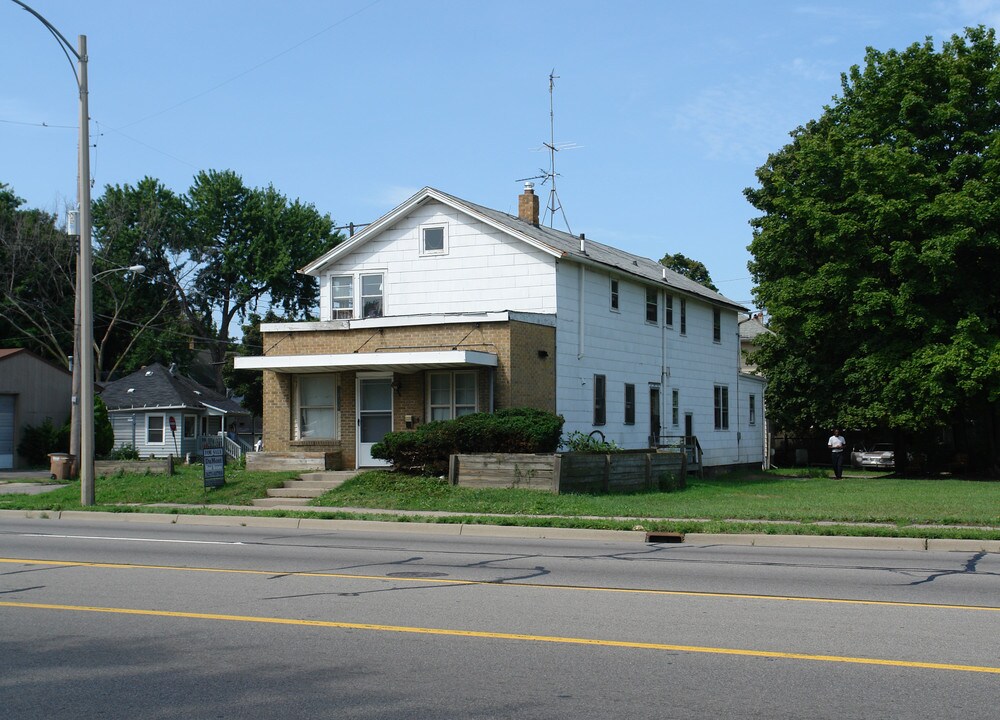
[[342, 297], [154, 429], [317, 407], [452, 394], [211, 425], [190, 426], [371, 296]]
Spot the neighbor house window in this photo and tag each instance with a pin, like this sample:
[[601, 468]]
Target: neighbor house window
[[433, 240], [629, 404], [190, 426], [452, 394], [600, 400], [614, 294], [317, 406], [371, 296], [342, 297], [753, 409], [652, 305], [721, 407], [675, 408], [684, 316], [668, 310], [154, 429], [716, 325], [211, 425]]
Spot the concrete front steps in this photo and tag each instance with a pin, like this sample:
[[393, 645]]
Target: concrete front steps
[[306, 487]]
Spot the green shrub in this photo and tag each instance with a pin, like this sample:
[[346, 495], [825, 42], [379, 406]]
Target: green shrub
[[104, 434], [577, 441], [427, 448], [38, 441], [124, 452]]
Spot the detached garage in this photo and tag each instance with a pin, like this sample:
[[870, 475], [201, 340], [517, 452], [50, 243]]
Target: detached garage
[[31, 390]]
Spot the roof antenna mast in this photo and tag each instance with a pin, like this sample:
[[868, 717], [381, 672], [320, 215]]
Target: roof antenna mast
[[550, 175]]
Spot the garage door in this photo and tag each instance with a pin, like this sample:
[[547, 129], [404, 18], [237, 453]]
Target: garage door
[[6, 432]]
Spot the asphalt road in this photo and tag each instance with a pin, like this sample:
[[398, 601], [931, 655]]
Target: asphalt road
[[104, 619]]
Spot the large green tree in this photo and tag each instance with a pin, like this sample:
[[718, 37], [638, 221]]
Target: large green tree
[[689, 268], [877, 249], [223, 249]]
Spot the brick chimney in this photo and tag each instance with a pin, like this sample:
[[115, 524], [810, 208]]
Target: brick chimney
[[527, 204]]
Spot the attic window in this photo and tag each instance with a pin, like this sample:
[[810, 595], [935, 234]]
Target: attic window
[[433, 239]]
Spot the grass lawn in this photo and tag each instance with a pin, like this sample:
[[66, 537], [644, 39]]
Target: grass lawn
[[186, 486], [797, 505]]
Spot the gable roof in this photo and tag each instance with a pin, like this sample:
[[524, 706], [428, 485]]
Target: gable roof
[[6, 353], [554, 242], [154, 386]]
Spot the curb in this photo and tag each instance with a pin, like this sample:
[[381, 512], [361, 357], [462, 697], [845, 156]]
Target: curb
[[838, 542]]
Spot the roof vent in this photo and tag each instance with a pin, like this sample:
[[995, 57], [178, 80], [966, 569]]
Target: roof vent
[[149, 373], [173, 369], [130, 390]]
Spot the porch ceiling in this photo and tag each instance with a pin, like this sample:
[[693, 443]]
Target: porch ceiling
[[398, 362]]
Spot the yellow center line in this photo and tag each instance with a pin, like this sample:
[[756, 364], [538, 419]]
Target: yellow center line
[[496, 583], [510, 636]]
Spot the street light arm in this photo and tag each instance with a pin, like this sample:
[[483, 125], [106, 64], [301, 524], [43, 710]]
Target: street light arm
[[65, 44]]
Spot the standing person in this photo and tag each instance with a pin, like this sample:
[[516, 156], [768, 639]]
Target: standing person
[[836, 443]]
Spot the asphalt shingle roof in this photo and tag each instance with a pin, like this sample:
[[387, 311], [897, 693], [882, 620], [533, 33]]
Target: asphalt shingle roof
[[155, 386]]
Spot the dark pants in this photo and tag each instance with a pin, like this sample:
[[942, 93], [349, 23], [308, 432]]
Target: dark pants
[[838, 463]]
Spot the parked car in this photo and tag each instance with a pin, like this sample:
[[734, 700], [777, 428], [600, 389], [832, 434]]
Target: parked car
[[880, 456]]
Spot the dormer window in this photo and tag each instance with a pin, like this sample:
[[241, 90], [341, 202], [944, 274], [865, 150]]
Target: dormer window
[[433, 239]]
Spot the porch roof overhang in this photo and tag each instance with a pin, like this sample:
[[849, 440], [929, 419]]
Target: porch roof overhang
[[398, 362]]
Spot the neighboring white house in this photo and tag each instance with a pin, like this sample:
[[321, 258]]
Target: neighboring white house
[[443, 307]]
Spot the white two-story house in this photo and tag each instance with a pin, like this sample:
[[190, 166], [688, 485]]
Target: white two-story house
[[443, 307]]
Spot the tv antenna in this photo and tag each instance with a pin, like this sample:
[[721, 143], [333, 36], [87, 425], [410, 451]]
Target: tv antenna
[[549, 176]]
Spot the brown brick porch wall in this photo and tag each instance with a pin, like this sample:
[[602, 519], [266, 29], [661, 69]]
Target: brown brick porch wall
[[523, 376]]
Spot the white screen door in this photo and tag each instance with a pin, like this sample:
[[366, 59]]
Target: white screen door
[[374, 416]]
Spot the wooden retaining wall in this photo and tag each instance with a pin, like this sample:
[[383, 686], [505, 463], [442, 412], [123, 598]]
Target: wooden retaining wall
[[629, 471]]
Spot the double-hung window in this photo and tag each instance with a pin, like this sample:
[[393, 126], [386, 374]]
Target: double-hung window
[[600, 400], [721, 407], [753, 409], [154, 429], [668, 310], [716, 325], [652, 306], [675, 408], [371, 295], [684, 316], [317, 407], [614, 294], [452, 394], [190, 426], [342, 297]]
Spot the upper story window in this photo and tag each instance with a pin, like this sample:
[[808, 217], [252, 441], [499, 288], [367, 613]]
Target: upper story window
[[614, 294], [371, 295], [652, 305], [342, 297], [716, 325], [753, 409], [433, 239], [684, 316], [356, 296], [668, 310]]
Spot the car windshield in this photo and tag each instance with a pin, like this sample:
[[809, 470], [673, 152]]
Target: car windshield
[[881, 447]]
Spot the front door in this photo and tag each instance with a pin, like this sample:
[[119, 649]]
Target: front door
[[374, 416]]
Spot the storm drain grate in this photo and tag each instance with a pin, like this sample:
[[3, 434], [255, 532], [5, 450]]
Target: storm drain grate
[[664, 537]]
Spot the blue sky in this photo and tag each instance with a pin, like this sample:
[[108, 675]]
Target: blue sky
[[353, 105]]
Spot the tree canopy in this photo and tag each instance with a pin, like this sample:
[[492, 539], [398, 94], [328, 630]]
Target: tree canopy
[[876, 253], [693, 269]]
